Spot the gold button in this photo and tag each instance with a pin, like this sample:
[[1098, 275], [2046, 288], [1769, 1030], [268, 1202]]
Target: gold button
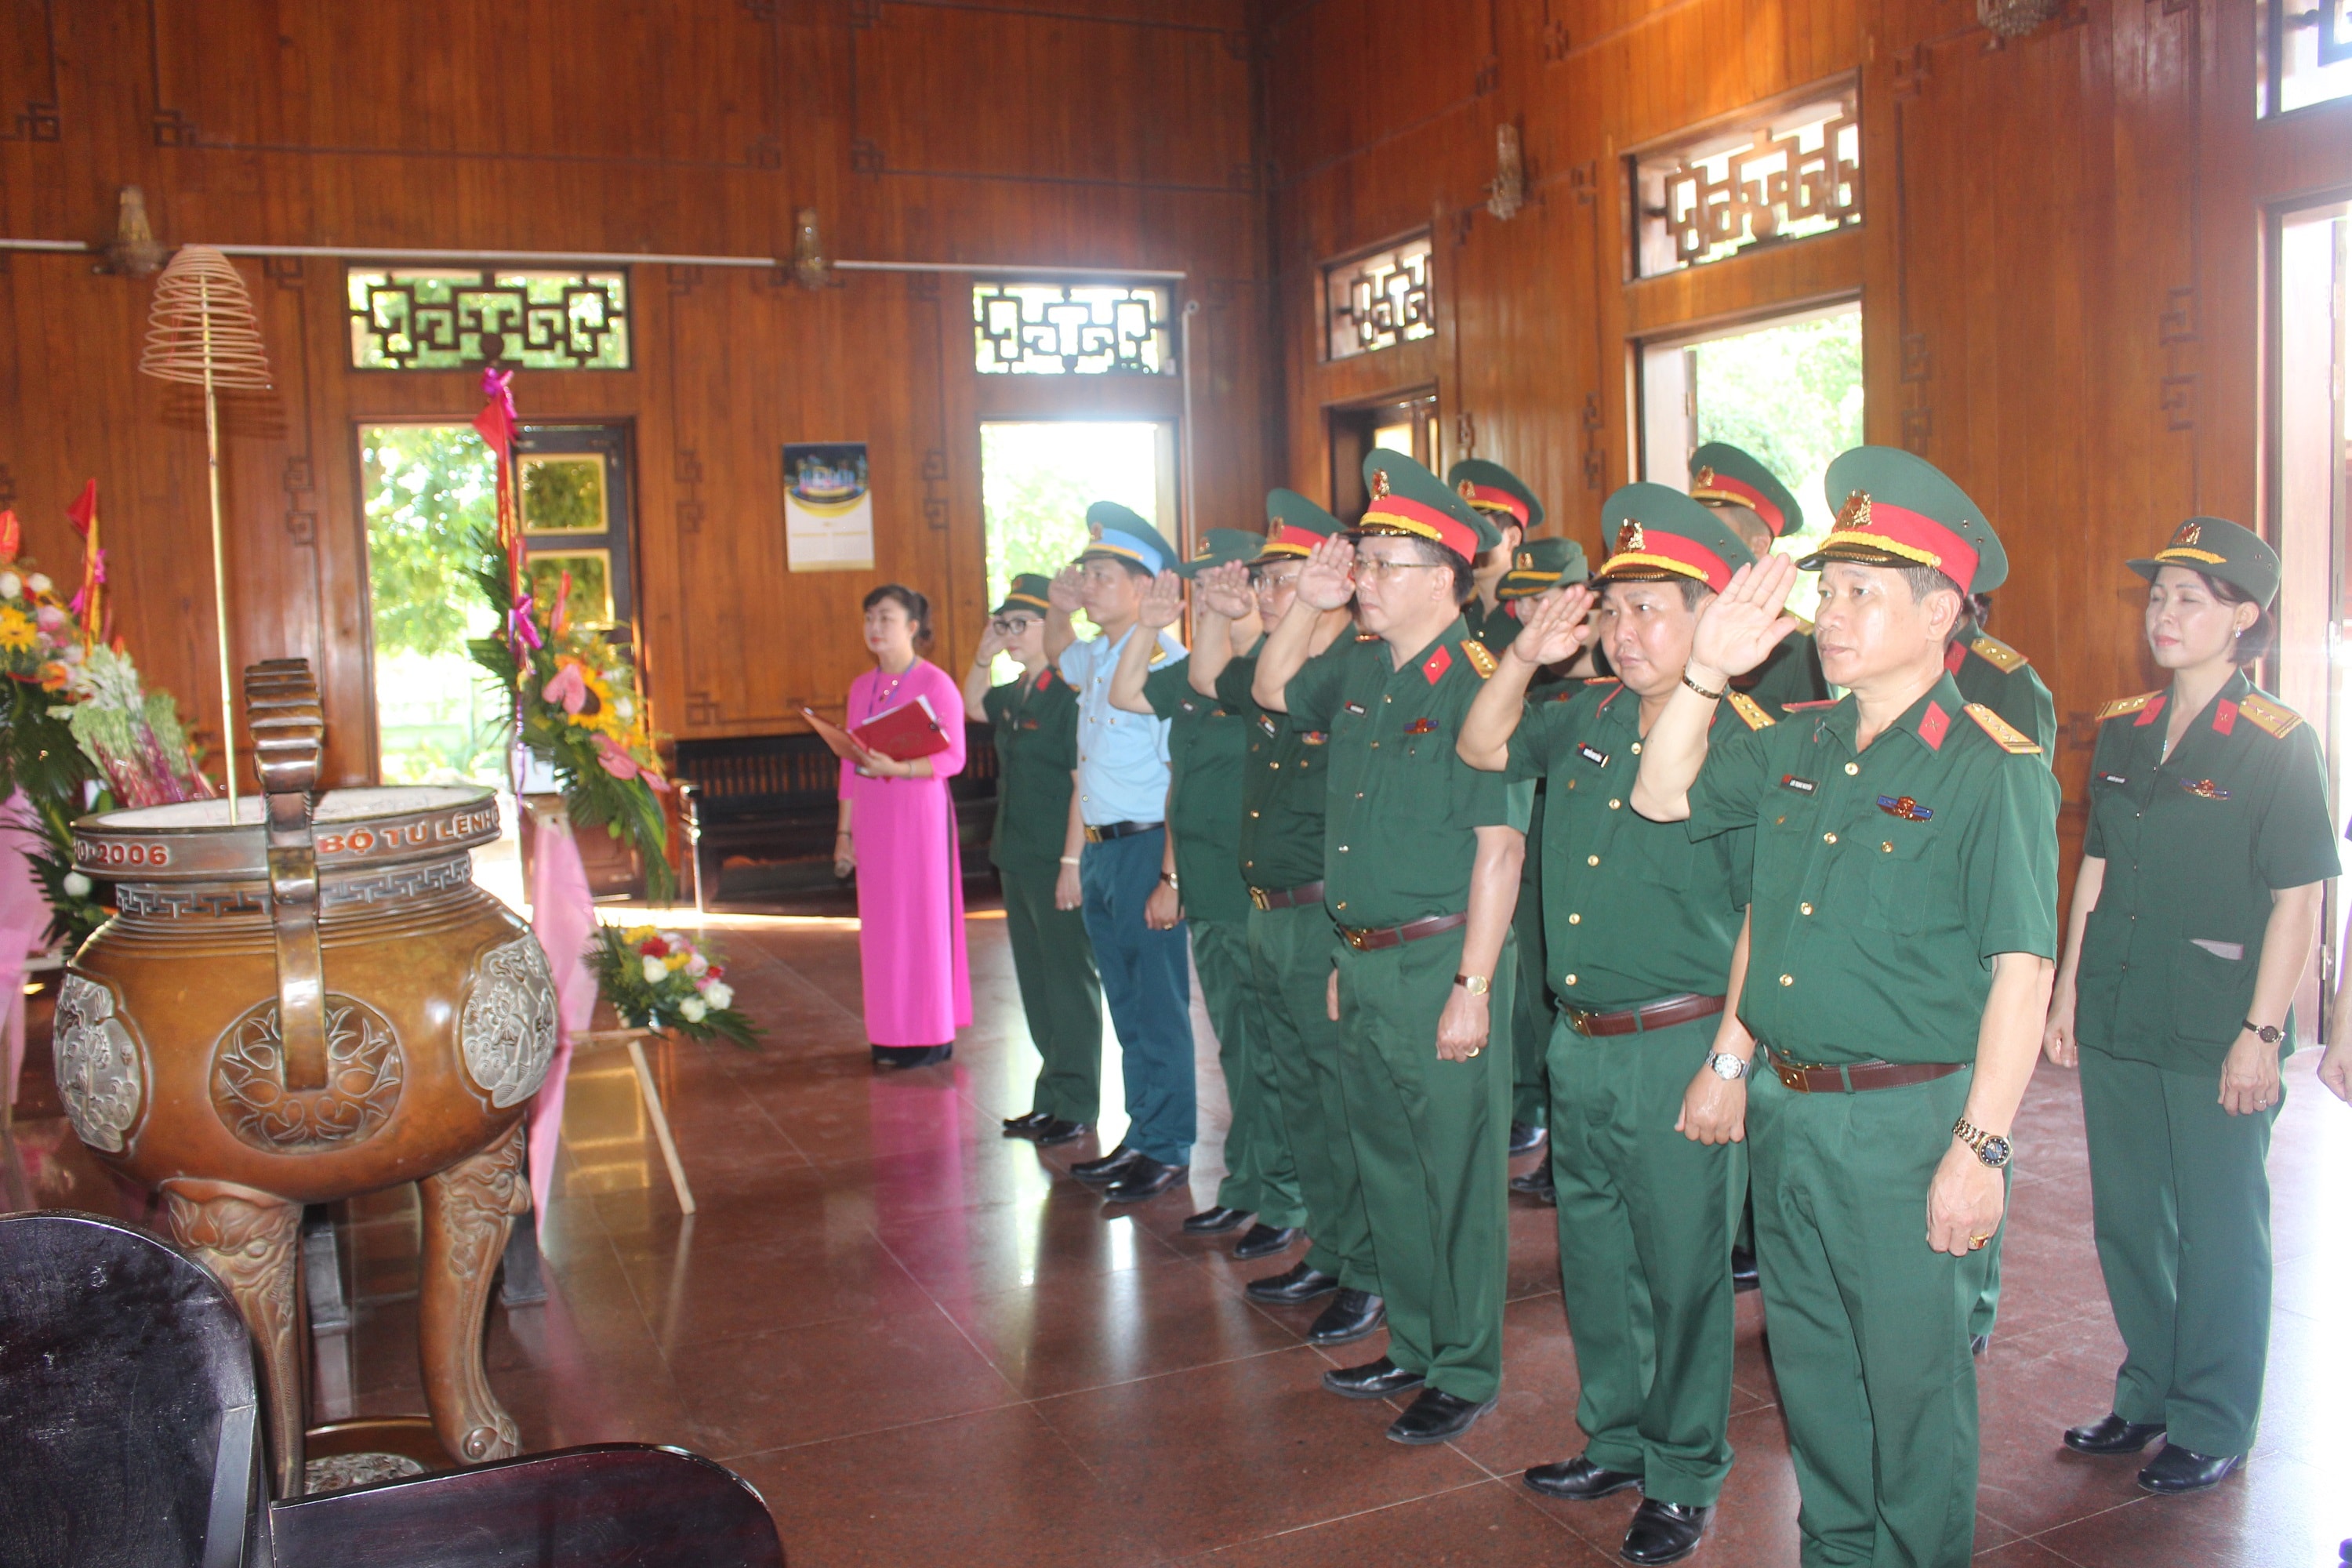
[[1592, 860], [1888, 849], [1637, 748], [1343, 849], [1828, 838], [1804, 909], [1388, 699], [1252, 812], [1570, 979], [1576, 920], [1343, 903], [1852, 769], [1376, 745], [1613, 805], [1249, 865], [1788, 980]]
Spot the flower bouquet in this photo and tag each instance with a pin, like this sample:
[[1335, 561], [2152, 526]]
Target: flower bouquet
[[576, 706], [659, 980]]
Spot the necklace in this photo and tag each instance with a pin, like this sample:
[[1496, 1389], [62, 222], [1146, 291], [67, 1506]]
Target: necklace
[[879, 694]]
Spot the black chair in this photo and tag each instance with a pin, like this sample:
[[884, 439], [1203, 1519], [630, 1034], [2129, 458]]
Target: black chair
[[129, 1404]]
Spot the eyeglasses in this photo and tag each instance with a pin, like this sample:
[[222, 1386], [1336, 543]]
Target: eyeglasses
[[1372, 568], [1013, 626], [1268, 582]]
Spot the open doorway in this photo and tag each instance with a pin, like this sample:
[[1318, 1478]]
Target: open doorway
[[1407, 424], [1037, 477], [1788, 390]]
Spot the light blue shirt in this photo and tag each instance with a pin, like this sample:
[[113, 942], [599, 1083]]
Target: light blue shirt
[[1122, 756]]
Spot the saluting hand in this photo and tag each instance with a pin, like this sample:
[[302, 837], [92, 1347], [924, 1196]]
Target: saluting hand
[[1225, 590], [1066, 592], [1553, 629], [1964, 1203], [992, 642], [1326, 581], [1745, 623], [1159, 604]]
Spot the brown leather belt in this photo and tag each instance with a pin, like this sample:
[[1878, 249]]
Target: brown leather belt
[[1102, 833], [1652, 1015], [1288, 898], [1371, 938], [1857, 1077]]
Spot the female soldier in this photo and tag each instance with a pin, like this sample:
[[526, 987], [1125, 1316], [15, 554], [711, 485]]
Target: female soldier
[[2194, 913], [1036, 845]]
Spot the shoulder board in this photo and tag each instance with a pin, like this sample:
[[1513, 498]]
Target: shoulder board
[[1159, 654], [1751, 712], [2123, 705], [2003, 734], [1997, 654], [1367, 636], [1800, 707], [1598, 680], [2271, 719], [1481, 659]]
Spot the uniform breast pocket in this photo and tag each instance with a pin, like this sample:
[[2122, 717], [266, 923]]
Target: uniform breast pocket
[[1905, 872], [1668, 854]]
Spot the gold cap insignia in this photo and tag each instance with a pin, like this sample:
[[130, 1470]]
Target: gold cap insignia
[[1380, 483], [2186, 533], [1856, 513], [1094, 530], [1467, 490], [1705, 477], [1629, 537], [1526, 561], [1204, 553]]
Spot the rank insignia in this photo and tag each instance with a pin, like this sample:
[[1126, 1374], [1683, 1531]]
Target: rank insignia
[[2123, 705], [1367, 636], [1997, 654], [1421, 727], [1045, 680], [1434, 668], [1598, 758], [2004, 734], [1480, 658], [1750, 711], [2205, 789], [1934, 722], [2267, 716], [1801, 785], [2225, 716], [1904, 806], [1356, 707]]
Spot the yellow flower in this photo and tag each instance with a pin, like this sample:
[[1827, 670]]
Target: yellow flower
[[676, 960], [17, 628]]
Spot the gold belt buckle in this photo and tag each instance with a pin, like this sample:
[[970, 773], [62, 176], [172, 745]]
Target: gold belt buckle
[[1257, 898], [1355, 936], [1093, 835]]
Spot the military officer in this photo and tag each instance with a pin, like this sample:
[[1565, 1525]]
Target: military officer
[[1537, 566], [1421, 866], [1737, 486], [1289, 935], [1639, 926], [1122, 803], [2205, 863], [1035, 722], [1504, 500], [1897, 963], [1200, 884]]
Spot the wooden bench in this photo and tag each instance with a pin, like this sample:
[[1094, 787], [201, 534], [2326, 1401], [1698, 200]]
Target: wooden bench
[[774, 799]]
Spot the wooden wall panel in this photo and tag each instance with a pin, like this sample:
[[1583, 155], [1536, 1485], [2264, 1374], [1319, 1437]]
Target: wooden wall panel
[[1058, 133]]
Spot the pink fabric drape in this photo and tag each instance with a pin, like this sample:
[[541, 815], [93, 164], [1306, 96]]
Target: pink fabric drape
[[562, 916], [23, 919], [911, 945]]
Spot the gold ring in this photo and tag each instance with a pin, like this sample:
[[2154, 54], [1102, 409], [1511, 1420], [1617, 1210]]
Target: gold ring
[[1476, 1049], [1977, 1242]]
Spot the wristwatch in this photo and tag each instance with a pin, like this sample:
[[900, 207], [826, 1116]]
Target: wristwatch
[[1728, 1068], [1477, 984], [1989, 1147], [1173, 885], [2268, 1034]]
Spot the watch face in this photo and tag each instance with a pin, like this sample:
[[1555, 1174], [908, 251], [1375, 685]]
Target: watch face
[[1995, 1152], [1728, 1067]]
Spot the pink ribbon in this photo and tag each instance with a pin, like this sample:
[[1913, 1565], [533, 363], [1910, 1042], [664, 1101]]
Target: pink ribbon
[[24, 919], [562, 916]]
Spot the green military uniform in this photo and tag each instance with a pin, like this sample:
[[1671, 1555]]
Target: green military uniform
[[1504, 499], [1205, 742], [1035, 722], [1280, 850], [1637, 915], [2195, 845], [1886, 882], [1400, 843], [1536, 567]]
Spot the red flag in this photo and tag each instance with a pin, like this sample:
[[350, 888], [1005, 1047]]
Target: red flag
[[84, 511], [496, 420]]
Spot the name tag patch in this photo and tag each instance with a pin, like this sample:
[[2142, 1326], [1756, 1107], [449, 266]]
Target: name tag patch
[[1356, 707], [1904, 806], [1266, 724], [2114, 778], [2205, 788], [1598, 758], [1801, 785]]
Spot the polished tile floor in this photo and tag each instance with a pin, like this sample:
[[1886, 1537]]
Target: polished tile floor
[[925, 1344]]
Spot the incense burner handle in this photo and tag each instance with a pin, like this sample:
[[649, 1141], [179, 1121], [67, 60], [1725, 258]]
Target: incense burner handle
[[290, 730]]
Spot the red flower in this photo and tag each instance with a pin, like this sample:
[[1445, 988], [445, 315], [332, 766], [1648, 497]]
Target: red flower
[[652, 947]]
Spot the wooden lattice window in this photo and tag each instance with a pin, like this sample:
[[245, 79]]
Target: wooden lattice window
[[1380, 298], [1076, 328], [1776, 173], [465, 319]]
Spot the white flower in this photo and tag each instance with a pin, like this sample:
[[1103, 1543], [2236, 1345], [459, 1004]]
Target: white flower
[[719, 994], [77, 886], [692, 1009], [11, 585], [40, 582], [655, 971], [697, 965]]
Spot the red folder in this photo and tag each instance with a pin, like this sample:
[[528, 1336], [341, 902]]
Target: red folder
[[902, 734]]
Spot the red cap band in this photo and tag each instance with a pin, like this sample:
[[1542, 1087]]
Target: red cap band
[[1639, 546], [1285, 540], [1486, 498], [1394, 514], [1712, 486], [1900, 532]]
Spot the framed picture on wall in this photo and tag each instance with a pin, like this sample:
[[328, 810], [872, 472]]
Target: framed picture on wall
[[562, 492], [828, 511], [590, 574]]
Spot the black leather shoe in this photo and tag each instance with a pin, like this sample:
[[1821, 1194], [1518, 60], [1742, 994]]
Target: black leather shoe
[[2114, 1436], [1265, 1240], [1107, 1169], [1057, 1131], [1301, 1281], [1146, 1178], [1743, 1271], [2177, 1470], [1526, 1139], [1537, 1185], [1373, 1380], [1436, 1416], [1579, 1480], [1663, 1533], [1022, 1126], [1352, 1315], [1215, 1221], [1980, 1343]]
